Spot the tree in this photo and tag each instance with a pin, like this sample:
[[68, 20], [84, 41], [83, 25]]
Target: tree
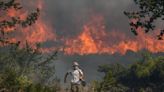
[[149, 12], [20, 65], [110, 80], [146, 75]]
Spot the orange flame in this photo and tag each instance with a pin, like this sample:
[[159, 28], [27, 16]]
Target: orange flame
[[37, 33], [94, 39]]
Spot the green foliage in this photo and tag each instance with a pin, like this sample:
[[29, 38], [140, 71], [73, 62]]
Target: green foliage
[[39, 88], [146, 75], [110, 82], [21, 66], [150, 11], [95, 86]]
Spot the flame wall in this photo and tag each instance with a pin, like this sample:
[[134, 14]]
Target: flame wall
[[93, 38]]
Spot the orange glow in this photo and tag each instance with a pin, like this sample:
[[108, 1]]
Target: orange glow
[[39, 32], [94, 39], [151, 43], [12, 12]]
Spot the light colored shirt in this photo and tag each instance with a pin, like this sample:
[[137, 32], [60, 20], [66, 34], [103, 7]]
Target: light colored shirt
[[76, 75]]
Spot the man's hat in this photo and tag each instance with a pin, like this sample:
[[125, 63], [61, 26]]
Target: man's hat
[[75, 64]]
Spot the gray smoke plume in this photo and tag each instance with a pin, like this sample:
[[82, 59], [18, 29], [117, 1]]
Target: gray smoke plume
[[68, 16]]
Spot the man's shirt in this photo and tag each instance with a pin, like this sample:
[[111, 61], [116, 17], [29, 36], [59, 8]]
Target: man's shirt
[[76, 75]]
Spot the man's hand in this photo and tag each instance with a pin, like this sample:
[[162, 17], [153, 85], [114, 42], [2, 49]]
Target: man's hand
[[65, 78]]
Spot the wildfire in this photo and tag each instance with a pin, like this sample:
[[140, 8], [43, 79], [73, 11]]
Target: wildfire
[[94, 39], [37, 33]]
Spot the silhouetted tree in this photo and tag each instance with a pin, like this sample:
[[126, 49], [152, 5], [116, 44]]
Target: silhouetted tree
[[20, 66], [149, 11]]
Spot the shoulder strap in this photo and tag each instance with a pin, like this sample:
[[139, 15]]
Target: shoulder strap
[[81, 75], [80, 72]]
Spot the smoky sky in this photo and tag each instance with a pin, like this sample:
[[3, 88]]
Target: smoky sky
[[68, 16], [90, 63]]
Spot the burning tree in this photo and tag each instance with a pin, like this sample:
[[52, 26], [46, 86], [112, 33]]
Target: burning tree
[[20, 62]]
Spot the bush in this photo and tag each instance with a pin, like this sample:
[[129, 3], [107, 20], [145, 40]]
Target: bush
[[147, 75]]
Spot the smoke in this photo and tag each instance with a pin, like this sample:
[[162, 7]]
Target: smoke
[[96, 27], [90, 63], [84, 27], [70, 15], [93, 32]]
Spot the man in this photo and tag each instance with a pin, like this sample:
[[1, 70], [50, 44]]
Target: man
[[77, 77]]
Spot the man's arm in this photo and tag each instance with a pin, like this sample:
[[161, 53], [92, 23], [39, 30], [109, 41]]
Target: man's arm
[[81, 74], [65, 77]]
